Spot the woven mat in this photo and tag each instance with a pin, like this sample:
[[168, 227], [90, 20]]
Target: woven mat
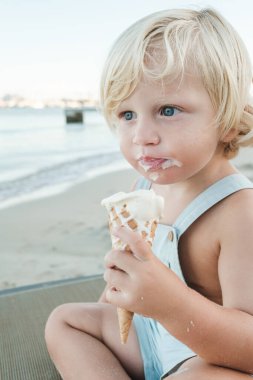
[[23, 315]]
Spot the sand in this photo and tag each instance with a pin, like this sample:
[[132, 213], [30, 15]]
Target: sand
[[65, 235], [61, 236]]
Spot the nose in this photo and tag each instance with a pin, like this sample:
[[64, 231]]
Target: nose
[[145, 133]]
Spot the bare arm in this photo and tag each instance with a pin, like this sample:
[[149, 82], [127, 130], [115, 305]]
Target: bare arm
[[223, 335]]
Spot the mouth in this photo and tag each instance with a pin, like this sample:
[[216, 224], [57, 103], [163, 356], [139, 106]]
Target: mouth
[[153, 164]]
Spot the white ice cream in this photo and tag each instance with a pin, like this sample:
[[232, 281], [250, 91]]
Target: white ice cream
[[143, 205], [154, 176], [170, 162]]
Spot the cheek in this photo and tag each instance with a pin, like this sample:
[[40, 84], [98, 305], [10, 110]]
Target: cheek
[[125, 144], [123, 136], [199, 139], [184, 144], [195, 150]]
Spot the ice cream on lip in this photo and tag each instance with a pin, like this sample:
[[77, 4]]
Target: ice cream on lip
[[153, 163]]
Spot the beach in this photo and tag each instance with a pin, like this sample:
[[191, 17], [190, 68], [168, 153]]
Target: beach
[[66, 235], [61, 236]]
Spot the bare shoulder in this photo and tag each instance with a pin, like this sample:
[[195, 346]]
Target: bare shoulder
[[236, 211], [236, 250]]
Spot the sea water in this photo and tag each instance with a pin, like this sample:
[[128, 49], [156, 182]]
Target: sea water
[[40, 154]]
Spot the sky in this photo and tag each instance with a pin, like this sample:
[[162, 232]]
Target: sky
[[56, 48]]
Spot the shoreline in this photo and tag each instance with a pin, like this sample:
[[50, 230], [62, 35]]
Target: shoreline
[[66, 235], [61, 236], [61, 187]]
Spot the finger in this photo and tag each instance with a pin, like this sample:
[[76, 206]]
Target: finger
[[116, 297], [116, 278], [121, 260], [140, 248]]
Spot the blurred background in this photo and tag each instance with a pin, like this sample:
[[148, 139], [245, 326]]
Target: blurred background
[[52, 53], [52, 135]]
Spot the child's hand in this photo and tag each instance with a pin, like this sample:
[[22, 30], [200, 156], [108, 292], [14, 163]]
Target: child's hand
[[138, 281]]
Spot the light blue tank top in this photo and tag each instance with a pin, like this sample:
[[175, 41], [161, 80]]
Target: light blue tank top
[[160, 350]]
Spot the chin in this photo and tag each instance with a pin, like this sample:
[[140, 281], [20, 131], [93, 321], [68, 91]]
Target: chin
[[159, 178]]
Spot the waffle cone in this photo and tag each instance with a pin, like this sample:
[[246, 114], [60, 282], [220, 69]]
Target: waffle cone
[[125, 319], [147, 231]]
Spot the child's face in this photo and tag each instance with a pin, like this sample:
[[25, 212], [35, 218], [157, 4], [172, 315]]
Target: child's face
[[167, 132]]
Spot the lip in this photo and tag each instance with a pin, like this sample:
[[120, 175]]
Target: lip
[[153, 163]]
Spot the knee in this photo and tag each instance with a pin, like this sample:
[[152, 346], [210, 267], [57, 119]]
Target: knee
[[55, 324]]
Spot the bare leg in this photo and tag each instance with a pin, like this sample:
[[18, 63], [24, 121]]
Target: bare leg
[[198, 369], [83, 341]]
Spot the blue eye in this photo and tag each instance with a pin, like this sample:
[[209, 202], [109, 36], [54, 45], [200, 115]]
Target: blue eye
[[169, 111], [128, 115]]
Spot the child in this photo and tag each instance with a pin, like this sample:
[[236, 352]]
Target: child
[[176, 90]]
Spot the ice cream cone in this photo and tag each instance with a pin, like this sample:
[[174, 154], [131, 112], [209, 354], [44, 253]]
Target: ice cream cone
[[140, 211], [125, 319]]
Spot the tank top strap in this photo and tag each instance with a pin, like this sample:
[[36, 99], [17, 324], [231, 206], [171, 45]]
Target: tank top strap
[[208, 198], [142, 183]]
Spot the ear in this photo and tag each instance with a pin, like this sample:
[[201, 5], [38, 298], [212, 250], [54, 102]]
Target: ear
[[230, 135]]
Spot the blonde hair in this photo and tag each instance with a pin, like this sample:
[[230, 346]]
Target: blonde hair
[[169, 43]]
